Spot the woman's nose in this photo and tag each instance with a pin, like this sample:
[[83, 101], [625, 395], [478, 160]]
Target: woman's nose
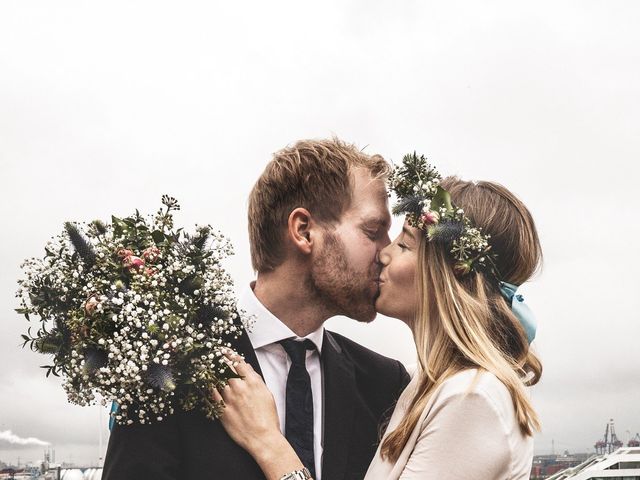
[[383, 256]]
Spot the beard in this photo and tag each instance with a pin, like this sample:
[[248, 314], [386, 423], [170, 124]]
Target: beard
[[342, 289]]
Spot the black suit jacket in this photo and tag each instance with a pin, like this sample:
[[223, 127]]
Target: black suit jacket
[[360, 389]]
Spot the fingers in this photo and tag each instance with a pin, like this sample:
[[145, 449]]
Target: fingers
[[236, 388], [237, 363], [216, 395], [243, 368]]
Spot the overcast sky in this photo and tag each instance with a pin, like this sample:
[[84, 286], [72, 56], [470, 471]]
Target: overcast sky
[[105, 106]]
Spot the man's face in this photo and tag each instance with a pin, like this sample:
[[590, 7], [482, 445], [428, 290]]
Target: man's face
[[345, 269]]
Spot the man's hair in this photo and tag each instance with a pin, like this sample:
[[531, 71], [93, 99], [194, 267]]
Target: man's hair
[[311, 174]]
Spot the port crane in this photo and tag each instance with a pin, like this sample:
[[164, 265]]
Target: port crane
[[610, 442]]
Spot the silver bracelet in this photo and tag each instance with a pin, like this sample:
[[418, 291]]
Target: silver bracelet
[[303, 474]]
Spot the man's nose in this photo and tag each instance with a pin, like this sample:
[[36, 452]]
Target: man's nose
[[384, 241]]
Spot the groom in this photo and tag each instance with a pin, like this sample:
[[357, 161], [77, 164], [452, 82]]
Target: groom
[[318, 218]]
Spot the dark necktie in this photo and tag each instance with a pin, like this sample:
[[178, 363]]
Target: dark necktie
[[299, 403]]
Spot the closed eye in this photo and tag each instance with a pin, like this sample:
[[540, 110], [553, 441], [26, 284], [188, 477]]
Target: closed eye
[[373, 235]]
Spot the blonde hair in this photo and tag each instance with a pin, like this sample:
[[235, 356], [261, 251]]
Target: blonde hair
[[466, 323], [312, 174]]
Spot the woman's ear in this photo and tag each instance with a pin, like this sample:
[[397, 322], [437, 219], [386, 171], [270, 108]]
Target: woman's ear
[[299, 230]]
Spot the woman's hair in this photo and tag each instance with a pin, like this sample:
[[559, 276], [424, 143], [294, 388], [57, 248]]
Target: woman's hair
[[465, 322]]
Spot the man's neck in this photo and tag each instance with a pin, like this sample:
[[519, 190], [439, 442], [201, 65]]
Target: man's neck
[[290, 301]]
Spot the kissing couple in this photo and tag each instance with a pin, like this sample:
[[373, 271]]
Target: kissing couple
[[311, 403]]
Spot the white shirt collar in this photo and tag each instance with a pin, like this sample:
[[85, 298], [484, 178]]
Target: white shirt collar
[[267, 328]]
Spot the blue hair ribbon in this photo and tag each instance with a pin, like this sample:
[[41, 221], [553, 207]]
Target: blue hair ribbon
[[112, 414], [520, 309]]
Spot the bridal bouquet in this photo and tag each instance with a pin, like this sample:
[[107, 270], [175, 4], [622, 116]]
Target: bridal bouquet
[[135, 312]]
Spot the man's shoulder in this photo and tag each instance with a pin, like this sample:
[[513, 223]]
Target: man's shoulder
[[364, 358]]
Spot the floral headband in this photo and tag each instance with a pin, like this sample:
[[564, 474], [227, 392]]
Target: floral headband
[[428, 207]]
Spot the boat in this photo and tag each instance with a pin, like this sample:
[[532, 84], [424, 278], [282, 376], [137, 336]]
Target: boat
[[622, 464]]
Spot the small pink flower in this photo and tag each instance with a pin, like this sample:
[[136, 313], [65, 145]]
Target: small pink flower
[[90, 305], [133, 262], [124, 253], [430, 217], [151, 254], [149, 271]]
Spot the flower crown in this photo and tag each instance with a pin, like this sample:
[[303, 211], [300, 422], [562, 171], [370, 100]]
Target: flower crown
[[428, 207]]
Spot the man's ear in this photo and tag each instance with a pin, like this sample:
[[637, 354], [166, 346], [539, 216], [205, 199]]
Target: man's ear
[[299, 230]]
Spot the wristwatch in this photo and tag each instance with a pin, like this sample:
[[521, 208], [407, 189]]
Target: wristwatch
[[303, 474]]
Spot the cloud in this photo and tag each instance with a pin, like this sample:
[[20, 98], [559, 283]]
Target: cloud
[[12, 438]]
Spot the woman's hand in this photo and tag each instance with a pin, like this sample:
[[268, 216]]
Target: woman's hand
[[250, 417], [251, 420]]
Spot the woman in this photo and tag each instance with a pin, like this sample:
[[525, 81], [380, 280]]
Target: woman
[[451, 275]]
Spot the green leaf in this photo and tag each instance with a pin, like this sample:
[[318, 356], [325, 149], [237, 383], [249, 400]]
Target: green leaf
[[441, 199], [158, 237], [130, 222], [119, 227]]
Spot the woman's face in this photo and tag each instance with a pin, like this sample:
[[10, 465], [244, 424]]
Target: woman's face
[[398, 294]]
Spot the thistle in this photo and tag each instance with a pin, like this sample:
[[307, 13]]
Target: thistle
[[81, 246], [411, 205], [190, 284], [161, 376], [100, 227], [446, 231], [207, 313], [94, 359]]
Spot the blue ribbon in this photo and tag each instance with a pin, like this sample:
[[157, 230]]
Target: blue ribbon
[[112, 415], [520, 309]]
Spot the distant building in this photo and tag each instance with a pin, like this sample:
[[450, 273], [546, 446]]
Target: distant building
[[545, 466]]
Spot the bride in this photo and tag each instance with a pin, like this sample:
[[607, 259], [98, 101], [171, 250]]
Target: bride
[[451, 276]]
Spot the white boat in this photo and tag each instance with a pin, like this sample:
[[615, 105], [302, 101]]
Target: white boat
[[623, 464]]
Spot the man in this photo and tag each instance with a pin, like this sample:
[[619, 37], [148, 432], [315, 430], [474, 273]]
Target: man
[[318, 218]]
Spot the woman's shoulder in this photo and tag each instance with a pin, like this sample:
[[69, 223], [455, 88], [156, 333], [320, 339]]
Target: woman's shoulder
[[473, 386]]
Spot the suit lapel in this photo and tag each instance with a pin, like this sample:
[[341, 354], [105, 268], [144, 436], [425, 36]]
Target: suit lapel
[[339, 396], [243, 346]]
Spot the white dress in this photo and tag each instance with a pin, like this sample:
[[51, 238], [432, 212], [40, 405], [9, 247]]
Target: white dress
[[468, 430]]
